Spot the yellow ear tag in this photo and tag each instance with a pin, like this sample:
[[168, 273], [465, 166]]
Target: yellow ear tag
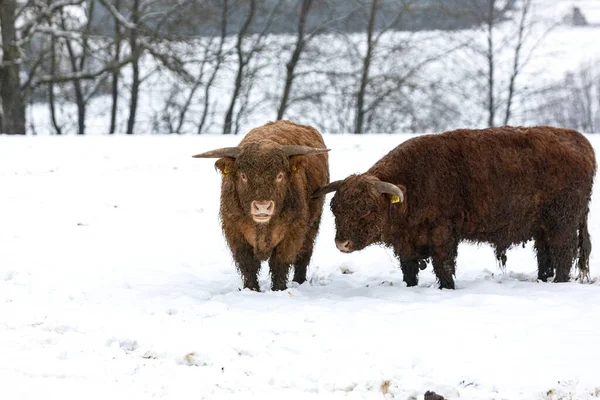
[[225, 171], [394, 199], [295, 169]]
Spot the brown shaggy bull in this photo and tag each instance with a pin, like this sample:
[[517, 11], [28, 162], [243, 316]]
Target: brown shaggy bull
[[266, 208], [502, 186]]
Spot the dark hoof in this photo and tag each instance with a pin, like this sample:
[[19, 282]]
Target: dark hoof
[[251, 284], [447, 285], [278, 288], [299, 280], [429, 395], [411, 282]]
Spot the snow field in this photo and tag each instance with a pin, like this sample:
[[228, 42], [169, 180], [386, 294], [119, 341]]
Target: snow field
[[116, 282]]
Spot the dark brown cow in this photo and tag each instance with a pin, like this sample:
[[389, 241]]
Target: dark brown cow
[[502, 186], [266, 208]]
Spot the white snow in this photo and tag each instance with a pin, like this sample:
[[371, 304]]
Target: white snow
[[116, 283]]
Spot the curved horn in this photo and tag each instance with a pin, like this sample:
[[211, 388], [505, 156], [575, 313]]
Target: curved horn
[[332, 187], [302, 150], [232, 152], [385, 187]]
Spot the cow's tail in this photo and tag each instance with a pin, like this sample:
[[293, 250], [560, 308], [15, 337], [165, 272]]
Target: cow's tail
[[584, 248]]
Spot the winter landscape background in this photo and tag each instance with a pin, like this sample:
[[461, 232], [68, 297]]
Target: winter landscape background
[[115, 279]]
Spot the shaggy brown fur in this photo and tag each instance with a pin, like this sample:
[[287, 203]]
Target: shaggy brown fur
[[262, 171], [502, 186]]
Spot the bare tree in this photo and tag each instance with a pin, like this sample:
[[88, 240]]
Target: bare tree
[[219, 57], [208, 66], [13, 104], [366, 66], [245, 53], [516, 67], [301, 41], [116, 72], [243, 61], [51, 91], [78, 53], [507, 30], [573, 102], [390, 63], [144, 40], [136, 51]]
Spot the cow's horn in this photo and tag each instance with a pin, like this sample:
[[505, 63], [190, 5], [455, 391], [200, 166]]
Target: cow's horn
[[302, 150], [232, 152], [385, 187], [332, 187]]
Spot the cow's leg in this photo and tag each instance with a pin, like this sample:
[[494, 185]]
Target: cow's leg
[[279, 270], [560, 220], [300, 266], [248, 265], [410, 271], [546, 265], [444, 266], [304, 256], [500, 253], [563, 254]]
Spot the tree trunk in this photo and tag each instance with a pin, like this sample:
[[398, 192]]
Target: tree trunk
[[135, 65], [293, 62], [211, 80], [51, 97], [242, 61], [13, 105], [115, 73], [79, 96], [364, 80], [490, 59], [516, 61]]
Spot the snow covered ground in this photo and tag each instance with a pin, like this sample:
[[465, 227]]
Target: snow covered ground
[[116, 283]]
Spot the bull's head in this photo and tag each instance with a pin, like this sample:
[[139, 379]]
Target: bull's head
[[260, 173], [360, 206]]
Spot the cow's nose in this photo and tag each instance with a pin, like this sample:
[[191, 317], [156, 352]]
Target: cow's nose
[[263, 207], [344, 245]]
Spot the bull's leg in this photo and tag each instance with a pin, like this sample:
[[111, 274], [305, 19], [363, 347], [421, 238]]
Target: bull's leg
[[546, 265], [279, 271], [444, 266], [410, 271], [300, 267], [303, 259], [501, 257], [564, 255], [444, 271], [248, 265]]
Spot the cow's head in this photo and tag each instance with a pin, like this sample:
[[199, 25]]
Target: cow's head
[[360, 206], [260, 173]]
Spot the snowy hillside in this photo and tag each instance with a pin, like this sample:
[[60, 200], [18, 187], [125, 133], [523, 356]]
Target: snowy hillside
[[115, 283]]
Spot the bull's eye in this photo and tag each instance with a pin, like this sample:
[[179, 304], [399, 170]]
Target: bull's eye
[[244, 177], [279, 177]]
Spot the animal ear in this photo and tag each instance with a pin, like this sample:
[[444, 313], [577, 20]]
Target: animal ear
[[225, 165], [297, 163], [332, 187], [232, 152], [396, 192]]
